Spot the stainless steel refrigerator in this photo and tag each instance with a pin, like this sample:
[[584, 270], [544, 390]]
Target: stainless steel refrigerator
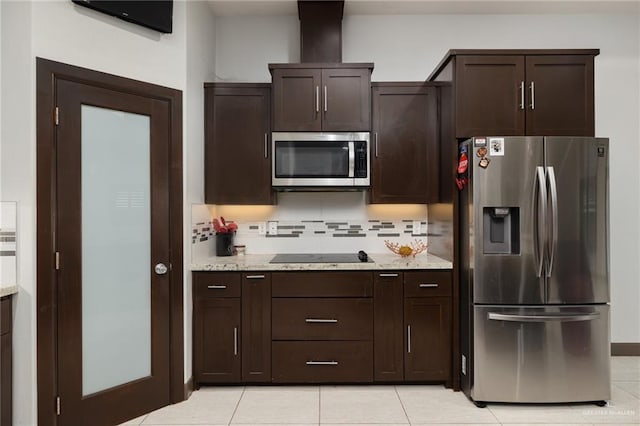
[[535, 270]]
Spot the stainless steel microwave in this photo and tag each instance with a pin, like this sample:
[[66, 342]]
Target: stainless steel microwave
[[319, 159]]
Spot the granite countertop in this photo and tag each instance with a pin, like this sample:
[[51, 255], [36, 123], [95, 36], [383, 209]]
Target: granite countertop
[[260, 262], [8, 290]]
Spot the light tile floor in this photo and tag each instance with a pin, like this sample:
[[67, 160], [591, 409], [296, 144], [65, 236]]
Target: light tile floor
[[391, 405]]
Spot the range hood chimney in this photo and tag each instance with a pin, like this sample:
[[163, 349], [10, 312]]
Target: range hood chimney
[[320, 30]]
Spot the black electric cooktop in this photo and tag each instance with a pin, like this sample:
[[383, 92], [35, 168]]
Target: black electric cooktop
[[320, 258]]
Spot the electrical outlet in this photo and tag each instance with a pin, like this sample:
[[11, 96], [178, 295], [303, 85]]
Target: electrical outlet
[[417, 228], [464, 365], [262, 228], [272, 228]]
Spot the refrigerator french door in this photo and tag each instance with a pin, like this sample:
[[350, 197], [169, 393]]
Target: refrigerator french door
[[534, 276]]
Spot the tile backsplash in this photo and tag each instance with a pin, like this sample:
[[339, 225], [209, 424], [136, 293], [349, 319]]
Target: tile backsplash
[[313, 223]]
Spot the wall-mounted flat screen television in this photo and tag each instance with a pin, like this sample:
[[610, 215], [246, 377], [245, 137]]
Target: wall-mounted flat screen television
[[157, 15]]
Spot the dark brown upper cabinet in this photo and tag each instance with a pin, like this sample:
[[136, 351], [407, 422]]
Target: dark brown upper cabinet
[[321, 97], [405, 149], [520, 92], [237, 152]]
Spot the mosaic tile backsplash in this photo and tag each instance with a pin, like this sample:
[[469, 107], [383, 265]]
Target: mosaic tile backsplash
[[316, 235], [333, 222], [318, 228]]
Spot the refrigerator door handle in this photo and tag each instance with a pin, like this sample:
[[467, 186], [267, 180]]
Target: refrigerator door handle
[[553, 221], [540, 218], [568, 317]]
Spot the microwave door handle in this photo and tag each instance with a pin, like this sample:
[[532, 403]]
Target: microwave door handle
[[352, 159]]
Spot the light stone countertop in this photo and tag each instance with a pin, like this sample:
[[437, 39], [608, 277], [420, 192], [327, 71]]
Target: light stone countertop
[[8, 290], [260, 262]]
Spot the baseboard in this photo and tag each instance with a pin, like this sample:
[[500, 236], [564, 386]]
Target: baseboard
[[625, 349], [188, 388]]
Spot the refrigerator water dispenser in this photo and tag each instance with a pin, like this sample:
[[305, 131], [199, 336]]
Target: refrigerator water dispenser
[[501, 229]]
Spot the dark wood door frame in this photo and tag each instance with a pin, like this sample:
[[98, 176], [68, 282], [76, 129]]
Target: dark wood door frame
[[47, 74]]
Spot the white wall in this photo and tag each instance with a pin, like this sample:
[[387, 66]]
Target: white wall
[[409, 47], [65, 32], [245, 45], [18, 184], [200, 68]]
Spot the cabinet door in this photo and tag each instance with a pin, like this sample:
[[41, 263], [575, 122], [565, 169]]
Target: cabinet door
[[256, 328], [560, 95], [489, 96], [216, 340], [346, 99], [237, 165], [405, 155], [388, 327], [427, 338], [296, 99]]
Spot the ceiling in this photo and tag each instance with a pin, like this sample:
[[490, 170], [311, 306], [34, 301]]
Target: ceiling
[[412, 7]]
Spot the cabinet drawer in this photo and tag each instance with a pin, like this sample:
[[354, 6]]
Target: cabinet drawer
[[322, 362], [322, 319], [216, 284], [427, 283], [322, 284]]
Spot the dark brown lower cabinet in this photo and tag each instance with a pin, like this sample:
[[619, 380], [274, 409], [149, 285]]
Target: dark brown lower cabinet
[[427, 338], [216, 341], [388, 327], [256, 328], [322, 327], [6, 381], [231, 327]]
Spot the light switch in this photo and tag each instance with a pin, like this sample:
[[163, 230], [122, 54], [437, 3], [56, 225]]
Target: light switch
[[417, 228]]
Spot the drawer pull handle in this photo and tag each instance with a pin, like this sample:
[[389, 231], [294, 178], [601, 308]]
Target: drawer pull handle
[[408, 339], [428, 285], [388, 275], [320, 320], [322, 362], [255, 277], [217, 287]]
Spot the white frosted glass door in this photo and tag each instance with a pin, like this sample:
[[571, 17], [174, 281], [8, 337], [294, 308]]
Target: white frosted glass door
[[116, 248]]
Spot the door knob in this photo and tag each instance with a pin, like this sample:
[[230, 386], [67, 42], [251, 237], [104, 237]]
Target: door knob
[[161, 269]]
